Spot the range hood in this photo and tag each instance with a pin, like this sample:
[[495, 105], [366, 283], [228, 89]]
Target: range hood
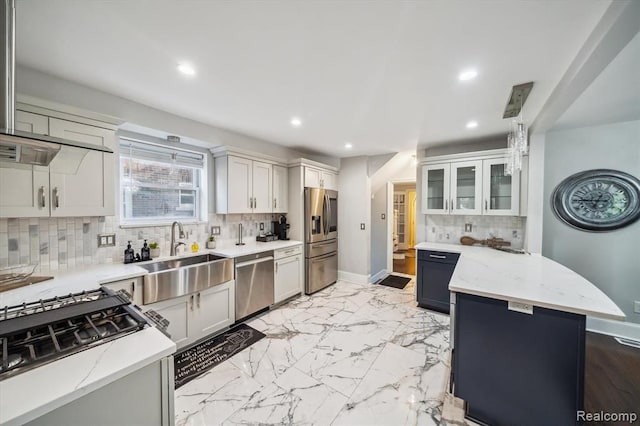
[[24, 147]]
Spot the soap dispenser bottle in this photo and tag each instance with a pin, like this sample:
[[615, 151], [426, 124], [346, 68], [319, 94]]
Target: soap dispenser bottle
[[128, 254], [145, 252]]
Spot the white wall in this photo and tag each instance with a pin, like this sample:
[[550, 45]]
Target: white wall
[[354, 208], [535, 202], [379, 231], [608, 259]]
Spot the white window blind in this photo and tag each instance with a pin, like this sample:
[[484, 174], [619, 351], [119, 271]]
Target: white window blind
[[159, 183]]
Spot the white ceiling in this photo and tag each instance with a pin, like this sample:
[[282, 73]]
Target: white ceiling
[[614, 96], [381, 75]]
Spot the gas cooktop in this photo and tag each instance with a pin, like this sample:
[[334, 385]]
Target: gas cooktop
[[36, 333]]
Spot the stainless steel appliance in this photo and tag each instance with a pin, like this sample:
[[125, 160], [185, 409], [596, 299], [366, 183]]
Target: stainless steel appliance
[[321, 233], [36, 333], [254, 283]]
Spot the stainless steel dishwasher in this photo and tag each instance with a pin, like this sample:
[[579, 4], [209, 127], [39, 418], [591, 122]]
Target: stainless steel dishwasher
[[254, 283]]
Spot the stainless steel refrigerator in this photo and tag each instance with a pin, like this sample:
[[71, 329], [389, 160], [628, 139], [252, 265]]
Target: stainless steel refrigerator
[[321, 238]]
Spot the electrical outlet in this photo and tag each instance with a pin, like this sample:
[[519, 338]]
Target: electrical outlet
[[468, 227], [362, 226], [215, 230], [514, 234], [262, 226], [636, 306], [106, 240]]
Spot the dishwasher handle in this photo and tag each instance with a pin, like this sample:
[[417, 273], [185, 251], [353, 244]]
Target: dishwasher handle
[[253, 262]]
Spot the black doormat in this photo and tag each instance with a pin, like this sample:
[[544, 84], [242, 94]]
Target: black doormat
[[202, 357], [395, 281]]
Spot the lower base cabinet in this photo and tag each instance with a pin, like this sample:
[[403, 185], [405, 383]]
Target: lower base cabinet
[[434, 271], [288, 276], [514, 368], [198, 315], [144, 398]]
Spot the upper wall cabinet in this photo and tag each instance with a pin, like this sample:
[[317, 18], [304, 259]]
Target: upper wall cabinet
[[246, 185], [477, 186], [36, 191], [320, 178], [280, 189]]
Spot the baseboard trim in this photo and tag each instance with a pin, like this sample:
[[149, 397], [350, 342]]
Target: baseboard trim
[[353, 278], [628, 330], [378, 276]]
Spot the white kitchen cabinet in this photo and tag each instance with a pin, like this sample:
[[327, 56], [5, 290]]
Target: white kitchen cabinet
[[319, 178], [90, 191], [466, 188], [280, 189], [501, 192], [195, 316], [178, 312], [214, 310], [473, 186], [36, 191], [24, 189], [288, 268], [262, 187], [132, 286], [243, 185]]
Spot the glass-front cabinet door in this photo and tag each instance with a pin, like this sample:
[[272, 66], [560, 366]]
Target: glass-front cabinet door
[[466, 188], [501, 192], [435, 189]]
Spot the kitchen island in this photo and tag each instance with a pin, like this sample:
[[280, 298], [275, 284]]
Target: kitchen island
[[518, 332]]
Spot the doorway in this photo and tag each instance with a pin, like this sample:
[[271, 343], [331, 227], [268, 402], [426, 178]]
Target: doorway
[[403, 212]]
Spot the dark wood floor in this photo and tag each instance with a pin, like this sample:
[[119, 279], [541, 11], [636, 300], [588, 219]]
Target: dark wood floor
[[406, 265], [612, 377]]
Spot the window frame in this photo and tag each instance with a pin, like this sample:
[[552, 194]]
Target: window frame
[[201, 187]]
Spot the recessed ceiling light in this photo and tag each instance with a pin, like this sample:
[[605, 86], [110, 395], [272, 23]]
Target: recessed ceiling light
[[348, 145], [186, 69], [472, 125], [296, 122], [467, 75]]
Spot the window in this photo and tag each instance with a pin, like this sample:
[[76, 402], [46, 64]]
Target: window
[[159, 184]]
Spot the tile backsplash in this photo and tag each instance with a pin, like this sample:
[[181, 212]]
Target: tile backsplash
[[59, 244], [449, 228]]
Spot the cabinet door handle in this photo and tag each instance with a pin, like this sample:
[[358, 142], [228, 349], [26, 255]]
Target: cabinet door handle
[[198, 299], [42, 199], [276, 267], [446, 205], [133, 291], [275, 203], [486, 205], [192, 302], [437, 256], [56, 197], [250, 203], [452, 205]]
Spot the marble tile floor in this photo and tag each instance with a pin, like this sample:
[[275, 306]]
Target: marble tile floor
[[351, 354]]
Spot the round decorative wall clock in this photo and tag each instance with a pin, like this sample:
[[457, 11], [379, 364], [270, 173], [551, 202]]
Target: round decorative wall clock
[[597, 200]]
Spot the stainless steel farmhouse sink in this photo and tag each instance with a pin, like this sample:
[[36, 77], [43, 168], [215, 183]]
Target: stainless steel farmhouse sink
[[172, 278]]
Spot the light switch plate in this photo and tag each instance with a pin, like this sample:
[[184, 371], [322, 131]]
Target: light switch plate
[[362, 226], [383, 216], [521, 307], [262, 226]]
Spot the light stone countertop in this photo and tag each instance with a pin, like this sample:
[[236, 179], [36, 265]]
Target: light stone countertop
[[229, 249], [525, 278]]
